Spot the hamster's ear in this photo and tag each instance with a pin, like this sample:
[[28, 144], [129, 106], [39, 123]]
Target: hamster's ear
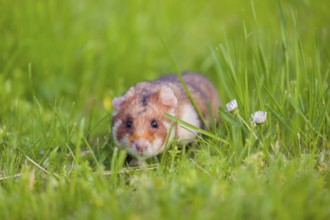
[[117, 101], [167, 97]]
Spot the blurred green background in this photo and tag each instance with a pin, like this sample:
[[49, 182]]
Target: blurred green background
[[83, 50]]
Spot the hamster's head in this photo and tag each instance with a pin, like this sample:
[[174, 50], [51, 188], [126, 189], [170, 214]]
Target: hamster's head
[[138, 122]]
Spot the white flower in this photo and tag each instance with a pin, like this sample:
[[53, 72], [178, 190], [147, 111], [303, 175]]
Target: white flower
[[232, 105], [259, 117]]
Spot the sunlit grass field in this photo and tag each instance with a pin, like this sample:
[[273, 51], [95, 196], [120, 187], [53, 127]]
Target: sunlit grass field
[[62, 63]]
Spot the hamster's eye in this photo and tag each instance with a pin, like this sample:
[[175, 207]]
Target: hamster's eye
[[154, 124], [129, 123]]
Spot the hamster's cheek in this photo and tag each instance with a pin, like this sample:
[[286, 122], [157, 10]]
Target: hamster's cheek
[[124, 140], [157, 145], [115, 128]]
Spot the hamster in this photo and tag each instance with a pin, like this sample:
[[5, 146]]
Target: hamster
[[138, 120]]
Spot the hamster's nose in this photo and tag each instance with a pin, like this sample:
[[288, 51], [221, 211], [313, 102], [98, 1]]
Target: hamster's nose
[[141, 145]]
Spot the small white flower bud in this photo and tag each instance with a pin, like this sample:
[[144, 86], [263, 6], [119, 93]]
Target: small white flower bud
[[232, 105], [259, 117]]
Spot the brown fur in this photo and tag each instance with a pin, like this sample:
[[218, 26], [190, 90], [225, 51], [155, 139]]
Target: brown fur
[[201, 89], [143, 103]]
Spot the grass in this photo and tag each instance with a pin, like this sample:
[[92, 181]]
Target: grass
[[61, 63]]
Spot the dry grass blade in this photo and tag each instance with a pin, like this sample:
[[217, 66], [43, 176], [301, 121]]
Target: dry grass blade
[[10, 177], [37, 165]]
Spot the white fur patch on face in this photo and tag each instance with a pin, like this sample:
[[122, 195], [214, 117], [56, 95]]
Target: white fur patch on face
[[157, 146], [125, 141], [168, 126], [115, 126], [189, 115]]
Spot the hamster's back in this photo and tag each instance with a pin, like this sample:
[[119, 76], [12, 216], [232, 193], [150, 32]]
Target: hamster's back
[[202, 90]]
